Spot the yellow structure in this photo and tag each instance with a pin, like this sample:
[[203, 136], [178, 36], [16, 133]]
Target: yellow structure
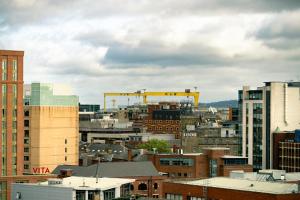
[[53, 131], [187, 93]]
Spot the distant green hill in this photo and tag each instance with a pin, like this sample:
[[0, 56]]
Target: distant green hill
[[220, 104]]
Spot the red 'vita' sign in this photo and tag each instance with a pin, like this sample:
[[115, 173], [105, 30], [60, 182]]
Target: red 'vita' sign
[[41, 170]]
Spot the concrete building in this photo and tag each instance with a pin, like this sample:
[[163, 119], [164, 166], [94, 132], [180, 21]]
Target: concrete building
[[73, 188], [229, 189], [263, 111], [51, 128], [207, 136]]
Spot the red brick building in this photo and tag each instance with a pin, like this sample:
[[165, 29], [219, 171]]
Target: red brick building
[[286, 151], [12, 118], [163, 118], [222, 188], [213, 162]]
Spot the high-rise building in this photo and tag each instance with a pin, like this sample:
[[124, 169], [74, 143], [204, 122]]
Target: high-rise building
[[51, 128], [11, 102], [263, 111]]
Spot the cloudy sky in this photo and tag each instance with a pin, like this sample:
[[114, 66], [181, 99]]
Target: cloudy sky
[[166, 45]]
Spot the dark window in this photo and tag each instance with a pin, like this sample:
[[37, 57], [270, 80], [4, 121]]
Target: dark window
[[26, 123], [26, 113], [80, 195], [26, 133], [26, 158], [142, 186]]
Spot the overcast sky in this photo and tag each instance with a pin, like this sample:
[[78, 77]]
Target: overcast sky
[[166, 45]]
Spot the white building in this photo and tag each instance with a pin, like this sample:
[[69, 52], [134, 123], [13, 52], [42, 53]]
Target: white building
[[73, 188], [265, 110]]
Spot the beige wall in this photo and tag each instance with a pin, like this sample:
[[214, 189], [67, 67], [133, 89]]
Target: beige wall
[[285, 107], [50, 126]]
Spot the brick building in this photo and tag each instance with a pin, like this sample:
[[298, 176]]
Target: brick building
[[213, 162], [148, 182], [12, 129], [163, 118], [286, 151], [229, 189]]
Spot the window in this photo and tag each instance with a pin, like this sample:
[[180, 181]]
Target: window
[[66, 150], [26, 141], [66, 158], [125, 190], [155, 186], [26, 133], [26, 123], [15, 70], [26, 158], [109, 194], [142, 186], [4, 69], [26, 113], [173, 196], [26, 149], [66, 141], [80, 195]]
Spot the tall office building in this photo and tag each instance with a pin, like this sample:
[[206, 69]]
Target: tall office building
[[11, 102], [51, 127], [263, 111]]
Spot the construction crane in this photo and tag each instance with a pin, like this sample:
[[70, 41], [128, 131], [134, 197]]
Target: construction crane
[[144, 94]]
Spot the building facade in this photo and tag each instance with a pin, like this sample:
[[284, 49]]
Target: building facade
[[12, 135], [12, 113], [213, 162], [51, 128], [224, 188], [262, 112], [286, 151], [73, 188]]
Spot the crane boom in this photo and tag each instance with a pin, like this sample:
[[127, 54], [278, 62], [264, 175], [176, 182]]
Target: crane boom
[[146, 94]]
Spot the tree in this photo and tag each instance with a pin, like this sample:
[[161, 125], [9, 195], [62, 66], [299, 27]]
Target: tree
[[159, 146]]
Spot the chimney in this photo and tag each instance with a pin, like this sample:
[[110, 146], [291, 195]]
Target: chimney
[[65, 173]]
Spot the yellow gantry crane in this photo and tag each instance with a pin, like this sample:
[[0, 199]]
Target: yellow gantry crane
[[186, 93]]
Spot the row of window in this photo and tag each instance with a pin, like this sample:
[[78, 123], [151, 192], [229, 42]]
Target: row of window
[[14, 70], [177, 161]]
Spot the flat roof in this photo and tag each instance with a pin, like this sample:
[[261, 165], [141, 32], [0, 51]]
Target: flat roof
[[11, 53], [245, 185], [87, 183]]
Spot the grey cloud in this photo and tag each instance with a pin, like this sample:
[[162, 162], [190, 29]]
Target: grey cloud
[[158, 54], [17, 12], [282, 32]]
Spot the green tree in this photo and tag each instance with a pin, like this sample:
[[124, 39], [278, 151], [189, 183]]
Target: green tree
[[160, 146]]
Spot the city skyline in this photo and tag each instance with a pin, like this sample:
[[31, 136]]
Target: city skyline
[[218, 46]]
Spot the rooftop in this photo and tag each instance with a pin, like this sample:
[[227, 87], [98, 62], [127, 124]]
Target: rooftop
[[112, 169], [245, 185], [87, 183]]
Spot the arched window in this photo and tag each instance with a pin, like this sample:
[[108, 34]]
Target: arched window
[[131, 187], [142, 186], [155, 186]]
